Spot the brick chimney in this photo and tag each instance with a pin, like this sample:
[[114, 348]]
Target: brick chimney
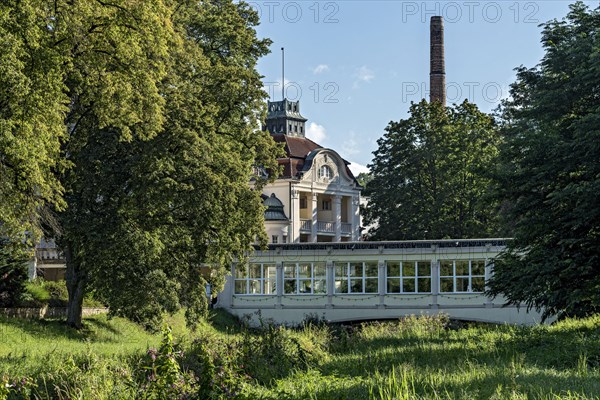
[[437, 73]]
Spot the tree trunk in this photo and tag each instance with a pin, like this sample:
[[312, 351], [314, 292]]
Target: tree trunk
[[76, 280]]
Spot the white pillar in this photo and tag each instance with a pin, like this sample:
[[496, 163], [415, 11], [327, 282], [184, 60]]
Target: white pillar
[[337, 217], [294, 235], [355, 217], [315, 210], [330, 284], [382, 283]]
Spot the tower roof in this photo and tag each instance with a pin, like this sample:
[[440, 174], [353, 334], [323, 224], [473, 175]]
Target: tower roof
[[274, 211]]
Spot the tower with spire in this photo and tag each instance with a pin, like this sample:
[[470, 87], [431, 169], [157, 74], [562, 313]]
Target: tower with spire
[[284, 118]]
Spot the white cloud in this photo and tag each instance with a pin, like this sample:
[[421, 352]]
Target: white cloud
[[349, 146], [363, 74], [357, 168], [319, 69], [316, 132]]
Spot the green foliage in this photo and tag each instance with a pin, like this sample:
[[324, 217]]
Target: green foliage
[[159, 375], [426, 357], [429, 175], [13, 272], [32, 112], [549, 174]]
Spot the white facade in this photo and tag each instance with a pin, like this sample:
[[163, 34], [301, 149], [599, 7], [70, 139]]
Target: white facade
[[337, 282], [322, 204]]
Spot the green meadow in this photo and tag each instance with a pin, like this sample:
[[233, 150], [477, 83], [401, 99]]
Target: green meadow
[[413, 358]]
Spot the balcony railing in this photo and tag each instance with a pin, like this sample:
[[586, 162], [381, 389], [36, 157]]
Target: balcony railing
[[346, 228], [325, 226], [306, 225]]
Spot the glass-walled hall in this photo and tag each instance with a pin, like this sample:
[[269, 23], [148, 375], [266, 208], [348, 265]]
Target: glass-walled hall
[[361, 277]]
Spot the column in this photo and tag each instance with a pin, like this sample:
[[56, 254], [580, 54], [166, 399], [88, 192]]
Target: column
[[337, 217], [489, 271], [330, 284], [315, 209], [279, 283], [355, 218], [294, 235], [382, 283], [435, 282]]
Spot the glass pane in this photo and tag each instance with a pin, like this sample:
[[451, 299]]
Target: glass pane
[[424, 268], [393, 269], [240, 271], [320, 286], [424, 285], [270, 287], [341, 286], [393, 285], [289, 271], [371, 269], [371, 285], [341, 270], [255, 287], [408, 286], [289, 286], [408, 268], [356, 269], [270, 271], [240, 287], [462, 268], [255, 271], [477, 284], [462, 284], [356, 286], [446, 268], [319, 270], [305, 286], [446, 285], [478, 267], [304, 271]]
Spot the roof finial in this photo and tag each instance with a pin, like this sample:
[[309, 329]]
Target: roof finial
[[282, 74]]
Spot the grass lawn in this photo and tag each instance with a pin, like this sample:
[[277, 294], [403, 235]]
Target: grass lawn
[[419, 357]]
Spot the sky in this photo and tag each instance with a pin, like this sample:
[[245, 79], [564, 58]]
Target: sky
[[356, 65]]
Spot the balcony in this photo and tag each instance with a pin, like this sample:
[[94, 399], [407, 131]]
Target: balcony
[[305, 225], [346, 228], [325, 227]]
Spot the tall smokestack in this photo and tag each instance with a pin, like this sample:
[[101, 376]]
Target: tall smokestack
[[437, 72]]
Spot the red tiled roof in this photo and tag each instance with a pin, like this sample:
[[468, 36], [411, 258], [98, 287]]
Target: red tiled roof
[[297, 149]]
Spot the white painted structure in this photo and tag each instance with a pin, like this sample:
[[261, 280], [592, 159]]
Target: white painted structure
[[319, 194], [370, 280]]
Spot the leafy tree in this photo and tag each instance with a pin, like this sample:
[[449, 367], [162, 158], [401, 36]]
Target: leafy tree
[[549, 173], [32, 110], [363, 178], [146, 130], [429, 175], [13, 272], [152, 201]]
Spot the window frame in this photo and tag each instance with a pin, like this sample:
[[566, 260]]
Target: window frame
[[262, 280], [311, 280], [350, 279], [402, 277], [469, 276], [325, 171]]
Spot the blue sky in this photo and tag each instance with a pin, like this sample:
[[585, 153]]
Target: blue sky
[[356, 65]]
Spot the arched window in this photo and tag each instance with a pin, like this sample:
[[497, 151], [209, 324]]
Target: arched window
[[325, 172]]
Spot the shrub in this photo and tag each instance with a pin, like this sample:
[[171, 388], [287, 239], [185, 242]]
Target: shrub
[[159, 375], [13, 273]]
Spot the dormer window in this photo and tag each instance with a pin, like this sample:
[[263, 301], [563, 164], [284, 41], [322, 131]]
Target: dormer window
[[325, 172]]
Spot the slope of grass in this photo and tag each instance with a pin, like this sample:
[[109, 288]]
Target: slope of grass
[[414, 358]]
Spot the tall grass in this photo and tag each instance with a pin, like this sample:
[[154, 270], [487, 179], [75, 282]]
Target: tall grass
[[413, 358]]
